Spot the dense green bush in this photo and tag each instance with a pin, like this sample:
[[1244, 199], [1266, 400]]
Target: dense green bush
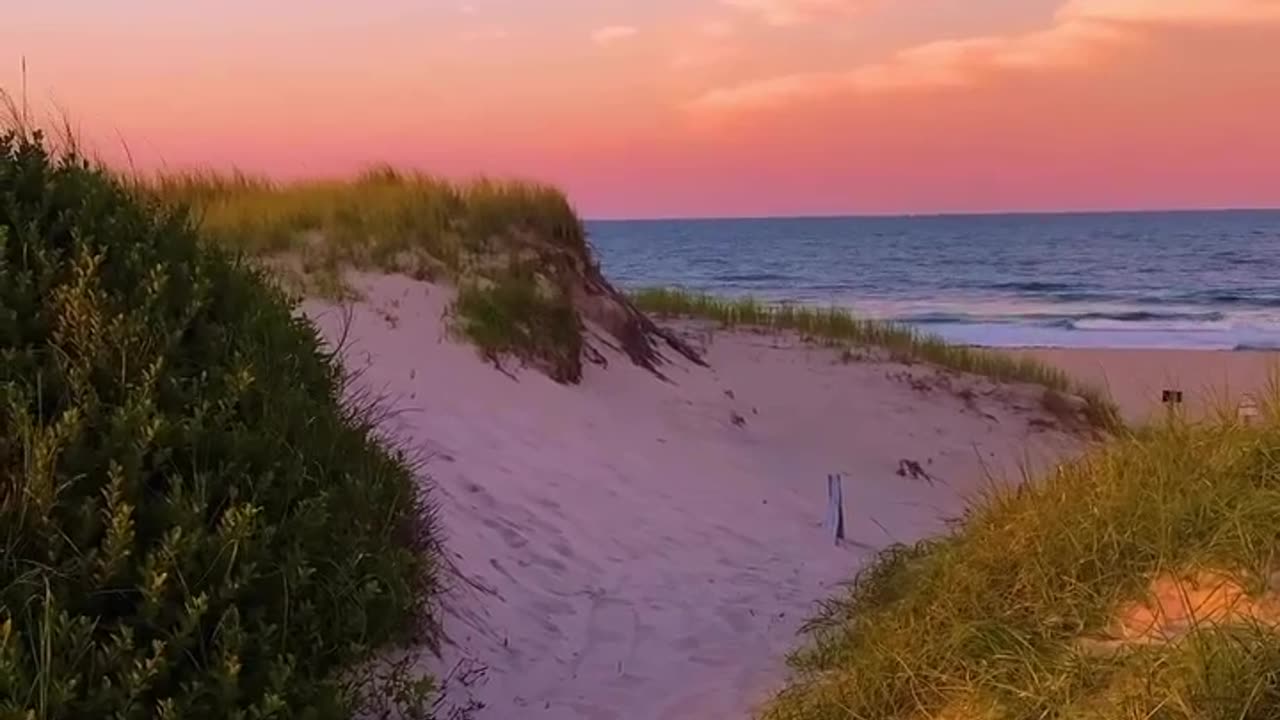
[[194, 523]]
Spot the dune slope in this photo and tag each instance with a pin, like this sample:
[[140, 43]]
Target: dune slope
[[634, 548]]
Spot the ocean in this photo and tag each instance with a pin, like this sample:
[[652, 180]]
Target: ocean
[[1208, 280]]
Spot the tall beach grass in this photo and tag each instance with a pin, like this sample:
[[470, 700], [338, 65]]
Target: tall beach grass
[[511, 247], [382, 219], [992, 621], [839, 326]]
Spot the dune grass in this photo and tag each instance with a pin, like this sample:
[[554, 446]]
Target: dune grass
[[516, 317], [985, 623], [370, 219], [839, 326], [512, 248]]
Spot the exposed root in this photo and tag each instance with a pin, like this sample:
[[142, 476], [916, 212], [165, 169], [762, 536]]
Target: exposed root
[[639, 337]]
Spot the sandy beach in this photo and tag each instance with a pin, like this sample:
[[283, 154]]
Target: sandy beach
[[640, 549], [1210, 380], [634, 548]]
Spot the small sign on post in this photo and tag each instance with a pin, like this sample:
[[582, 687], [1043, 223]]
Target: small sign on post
[[835, 506], [1248, 410]]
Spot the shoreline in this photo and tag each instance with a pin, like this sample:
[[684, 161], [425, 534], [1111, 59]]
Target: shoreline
[[1019, 347]]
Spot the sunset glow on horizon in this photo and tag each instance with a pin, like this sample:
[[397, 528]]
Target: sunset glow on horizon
[[689, 107]]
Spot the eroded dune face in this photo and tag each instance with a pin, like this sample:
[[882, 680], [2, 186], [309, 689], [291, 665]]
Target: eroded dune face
[[634, 548]]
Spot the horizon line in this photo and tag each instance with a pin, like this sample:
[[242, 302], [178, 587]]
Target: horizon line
[[937, 214]]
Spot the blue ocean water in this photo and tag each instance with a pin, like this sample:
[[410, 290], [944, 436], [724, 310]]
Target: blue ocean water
[[1124, 280]]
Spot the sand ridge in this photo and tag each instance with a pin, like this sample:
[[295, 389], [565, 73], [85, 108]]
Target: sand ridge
[[1211, 381], [633, 548]]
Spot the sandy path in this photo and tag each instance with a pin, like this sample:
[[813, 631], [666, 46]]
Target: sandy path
[[633, 552]]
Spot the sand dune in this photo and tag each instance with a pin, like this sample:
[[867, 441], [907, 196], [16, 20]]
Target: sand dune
[[633, 548]]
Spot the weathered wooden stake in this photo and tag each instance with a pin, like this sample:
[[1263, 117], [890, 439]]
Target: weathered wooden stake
[[835, 506]]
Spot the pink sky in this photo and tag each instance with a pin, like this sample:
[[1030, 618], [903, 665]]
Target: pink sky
[[690, 107]]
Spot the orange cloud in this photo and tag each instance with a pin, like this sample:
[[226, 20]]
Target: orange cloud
[[793, 12], [1082, 29], [946, 63]]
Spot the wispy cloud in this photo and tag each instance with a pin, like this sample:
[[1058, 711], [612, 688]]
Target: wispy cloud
[[1082, 29], [1183, 12], [613, 33], [794, 12]]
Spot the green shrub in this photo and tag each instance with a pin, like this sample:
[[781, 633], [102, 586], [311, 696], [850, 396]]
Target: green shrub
[[514, 318], [195, 524]]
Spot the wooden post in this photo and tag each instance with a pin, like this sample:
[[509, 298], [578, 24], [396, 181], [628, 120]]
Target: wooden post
[[835, 506], [1172, 400]]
